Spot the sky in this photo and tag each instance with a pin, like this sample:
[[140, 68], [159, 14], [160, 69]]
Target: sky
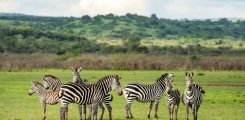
[[172, 9]]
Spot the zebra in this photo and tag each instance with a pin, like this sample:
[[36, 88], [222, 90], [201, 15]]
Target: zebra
[[192, 96], [82, 94], [172, 100], [146, 93], [45, 97], [77, 79]]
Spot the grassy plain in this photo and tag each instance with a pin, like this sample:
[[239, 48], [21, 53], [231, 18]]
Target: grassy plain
[[224, 98]]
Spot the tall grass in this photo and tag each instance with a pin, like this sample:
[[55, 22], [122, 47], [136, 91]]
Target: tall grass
[[130, 61]]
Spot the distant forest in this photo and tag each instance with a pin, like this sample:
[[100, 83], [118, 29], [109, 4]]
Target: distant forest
[[39, 34]]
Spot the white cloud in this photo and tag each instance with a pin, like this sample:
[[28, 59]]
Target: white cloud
[[119, 7], [163, 8]]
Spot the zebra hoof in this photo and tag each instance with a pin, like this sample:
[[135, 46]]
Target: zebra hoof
[[156, 116], [148, 116]]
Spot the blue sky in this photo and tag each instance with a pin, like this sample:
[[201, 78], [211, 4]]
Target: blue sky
[[174, 9]]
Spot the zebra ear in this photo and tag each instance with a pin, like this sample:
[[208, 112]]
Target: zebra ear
[[192, 74], [72, 68], [80, 69], [186, 73], [34, 82]]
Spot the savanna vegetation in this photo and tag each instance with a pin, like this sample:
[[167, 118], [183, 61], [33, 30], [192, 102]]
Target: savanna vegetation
[[130, 42]]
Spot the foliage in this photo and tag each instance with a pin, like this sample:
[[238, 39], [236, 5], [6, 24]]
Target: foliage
[[35, 34]]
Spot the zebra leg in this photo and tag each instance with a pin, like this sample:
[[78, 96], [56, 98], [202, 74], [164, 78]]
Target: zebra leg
[[63, 113], [150, 108], [172, 112], [187, 111], [84, 111], [107, 103], [169, 111], [156, 109], [90, 112], [95, 110], [176, 111], [102, 111], [44, 110], [128, 110], [80, 111], [194, 112]]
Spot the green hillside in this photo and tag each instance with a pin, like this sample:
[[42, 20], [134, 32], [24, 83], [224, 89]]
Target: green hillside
[[106, 33]]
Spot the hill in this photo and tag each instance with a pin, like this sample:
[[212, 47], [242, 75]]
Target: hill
[[21, 33]]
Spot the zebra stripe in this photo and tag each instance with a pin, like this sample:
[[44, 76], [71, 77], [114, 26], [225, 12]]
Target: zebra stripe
[[87, 94], [173, 100], [51, 82], [192, 96], [77, 79], [45, 97], [146, 93]]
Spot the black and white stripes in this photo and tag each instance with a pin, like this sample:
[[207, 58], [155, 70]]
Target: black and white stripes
[[146, 93], [45, 97], [192, 96], [82, 94], [172, 100]]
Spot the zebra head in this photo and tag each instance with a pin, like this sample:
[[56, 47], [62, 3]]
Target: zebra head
[[76, 74], [168, 81], [168, 86], [33, 88], [116, 85], [50, 81], [189, 79]]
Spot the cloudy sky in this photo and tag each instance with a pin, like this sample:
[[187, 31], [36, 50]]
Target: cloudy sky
[[174, 9]]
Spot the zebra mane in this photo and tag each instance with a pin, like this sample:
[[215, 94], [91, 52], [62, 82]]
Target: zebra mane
[[38, 84], [53, 77], [106, 77], [162, 77]]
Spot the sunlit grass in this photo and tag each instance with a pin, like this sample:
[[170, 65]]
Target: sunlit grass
[[221, 101]]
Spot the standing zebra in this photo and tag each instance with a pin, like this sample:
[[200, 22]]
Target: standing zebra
[[44, 96], [54, 83], [77, 79], [93, 94], [146, 93], [192, 96], [173, 100]]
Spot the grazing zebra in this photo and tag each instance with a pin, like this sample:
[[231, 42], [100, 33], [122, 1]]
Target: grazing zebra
[[173, 100], [107, 99], [82, 94], [146, 93], [44, 96], [192, 96]]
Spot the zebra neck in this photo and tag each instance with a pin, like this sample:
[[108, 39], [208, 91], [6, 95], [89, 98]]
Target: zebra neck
[[170, 94], [161, 84], [106, 88], [41, 92]]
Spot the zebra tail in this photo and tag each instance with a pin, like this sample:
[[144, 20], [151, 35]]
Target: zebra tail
[[111, 98], [203, 92], [182, 99]]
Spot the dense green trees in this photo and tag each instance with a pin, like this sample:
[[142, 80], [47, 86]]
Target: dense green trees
[[29, 34]]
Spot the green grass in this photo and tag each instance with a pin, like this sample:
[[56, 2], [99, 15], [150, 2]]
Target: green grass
[[224, 98]]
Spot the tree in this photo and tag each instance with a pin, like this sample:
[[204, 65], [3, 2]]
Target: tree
[[132, 42]]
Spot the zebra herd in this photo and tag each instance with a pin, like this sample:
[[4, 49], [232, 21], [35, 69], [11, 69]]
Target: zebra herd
[[95, 94]]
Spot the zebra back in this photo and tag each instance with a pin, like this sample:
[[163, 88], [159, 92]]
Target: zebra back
[[148, 92], [86, 94]]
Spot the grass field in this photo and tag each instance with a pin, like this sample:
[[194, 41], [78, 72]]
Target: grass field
[[224, 98]]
